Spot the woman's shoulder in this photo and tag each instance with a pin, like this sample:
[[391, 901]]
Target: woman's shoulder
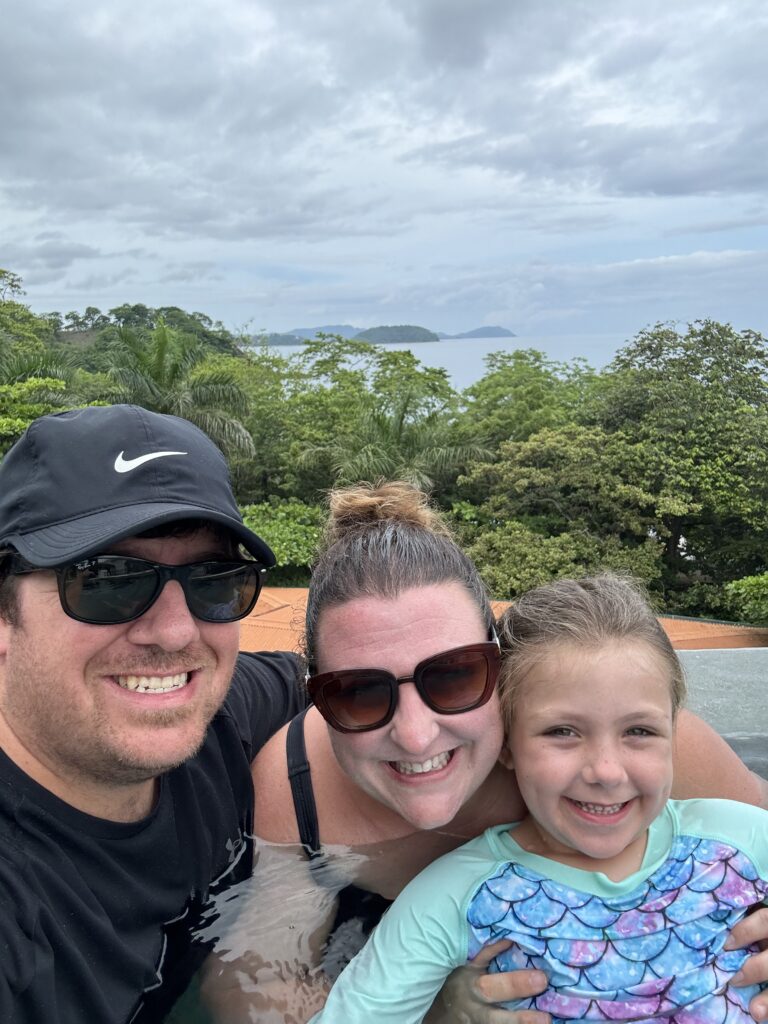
[[272, 792], [337, 800]]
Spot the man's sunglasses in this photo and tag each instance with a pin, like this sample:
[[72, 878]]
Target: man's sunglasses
[[450, 683], [109, 589]]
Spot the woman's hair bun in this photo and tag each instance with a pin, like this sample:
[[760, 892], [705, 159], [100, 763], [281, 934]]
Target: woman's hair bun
[[363, 506]]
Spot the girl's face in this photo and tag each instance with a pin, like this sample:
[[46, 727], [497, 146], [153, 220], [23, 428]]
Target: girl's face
[[422, 765], [591, 744]]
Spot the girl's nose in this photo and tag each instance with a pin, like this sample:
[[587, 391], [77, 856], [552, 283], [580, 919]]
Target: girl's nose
[[605, 766]]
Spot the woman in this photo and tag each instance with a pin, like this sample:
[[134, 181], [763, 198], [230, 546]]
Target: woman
[[395, 779]]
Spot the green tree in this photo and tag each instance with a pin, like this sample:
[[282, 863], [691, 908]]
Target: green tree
[[394, 443], [136, 317], [513, 558], [521, 393], [697, 401], [574, 478], [293, 531], [10, 285], [19, 325], [23, 401], [749, 598], [170, 375], [212, 334]]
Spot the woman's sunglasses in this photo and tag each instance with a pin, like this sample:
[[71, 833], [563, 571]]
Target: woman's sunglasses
[[450, 683], [110, 589]]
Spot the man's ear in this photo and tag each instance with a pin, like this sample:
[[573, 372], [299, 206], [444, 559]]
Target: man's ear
[[505, 756]]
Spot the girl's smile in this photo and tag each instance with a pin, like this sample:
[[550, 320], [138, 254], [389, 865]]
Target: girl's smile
[[591, 743]]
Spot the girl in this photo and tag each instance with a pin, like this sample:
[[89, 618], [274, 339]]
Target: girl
[[622, 897]]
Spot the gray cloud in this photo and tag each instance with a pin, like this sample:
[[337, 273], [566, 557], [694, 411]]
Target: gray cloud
[[162, 153]]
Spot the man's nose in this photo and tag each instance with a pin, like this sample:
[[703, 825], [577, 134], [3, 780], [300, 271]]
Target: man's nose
[[168, 624]]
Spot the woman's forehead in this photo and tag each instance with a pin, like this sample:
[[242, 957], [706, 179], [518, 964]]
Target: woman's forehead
[[414, 624]]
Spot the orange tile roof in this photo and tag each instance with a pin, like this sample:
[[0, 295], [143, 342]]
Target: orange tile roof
[[277, 622]]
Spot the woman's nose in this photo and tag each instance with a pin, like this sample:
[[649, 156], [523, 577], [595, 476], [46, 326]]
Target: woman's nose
[[414, 726]]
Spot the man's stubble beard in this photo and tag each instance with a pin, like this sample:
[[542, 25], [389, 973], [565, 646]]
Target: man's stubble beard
[[93, 750]]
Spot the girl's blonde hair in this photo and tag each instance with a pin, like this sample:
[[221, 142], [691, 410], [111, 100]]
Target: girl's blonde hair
[[585, 613]]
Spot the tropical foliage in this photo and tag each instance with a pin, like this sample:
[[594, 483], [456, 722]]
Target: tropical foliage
[[657, 464]]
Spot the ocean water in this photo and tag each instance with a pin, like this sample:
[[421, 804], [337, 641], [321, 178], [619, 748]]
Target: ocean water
[[464, 358]]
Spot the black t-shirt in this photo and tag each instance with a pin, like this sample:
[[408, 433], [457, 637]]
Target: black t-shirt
[[95, 915]]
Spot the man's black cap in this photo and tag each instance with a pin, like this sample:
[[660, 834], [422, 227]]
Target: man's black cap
[[76, 482]]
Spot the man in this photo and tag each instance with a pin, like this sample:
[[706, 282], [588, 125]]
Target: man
[[125, 790]]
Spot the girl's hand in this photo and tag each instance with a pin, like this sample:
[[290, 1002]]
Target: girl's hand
[[470, 995], [753, 929]]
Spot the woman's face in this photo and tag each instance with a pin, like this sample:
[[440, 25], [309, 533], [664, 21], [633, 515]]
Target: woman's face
[[422, 765]]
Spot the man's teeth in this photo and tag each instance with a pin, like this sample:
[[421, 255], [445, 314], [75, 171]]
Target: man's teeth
[[419, 767], [153, 684], [600, 808]]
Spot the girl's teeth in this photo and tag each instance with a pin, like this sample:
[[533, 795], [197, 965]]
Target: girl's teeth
[[600, 808], [153, 684], [419, 768]]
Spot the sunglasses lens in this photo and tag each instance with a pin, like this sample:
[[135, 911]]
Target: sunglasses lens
[[360, 702], [456, 681], [109, 590], [222, 591]]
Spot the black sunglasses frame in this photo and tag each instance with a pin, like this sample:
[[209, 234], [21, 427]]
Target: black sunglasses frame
[[16, 565], [316, 685]]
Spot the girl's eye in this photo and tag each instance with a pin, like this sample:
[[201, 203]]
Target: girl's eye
[[560, 730], [640, 730]]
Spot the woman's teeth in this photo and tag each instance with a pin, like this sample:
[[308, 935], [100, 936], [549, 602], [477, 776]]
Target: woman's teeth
[[434, 764], [153, 684]]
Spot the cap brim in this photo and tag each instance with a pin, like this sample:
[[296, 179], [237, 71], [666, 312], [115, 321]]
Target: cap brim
[[88, 535]]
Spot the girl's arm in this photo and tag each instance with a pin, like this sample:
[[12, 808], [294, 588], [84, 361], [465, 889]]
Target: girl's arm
[[396, 976]]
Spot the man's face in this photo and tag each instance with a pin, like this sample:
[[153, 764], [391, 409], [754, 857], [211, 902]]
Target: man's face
[[84, 708]]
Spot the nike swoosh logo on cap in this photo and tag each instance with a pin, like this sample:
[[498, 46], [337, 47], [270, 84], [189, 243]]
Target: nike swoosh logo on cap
[[126, 465]]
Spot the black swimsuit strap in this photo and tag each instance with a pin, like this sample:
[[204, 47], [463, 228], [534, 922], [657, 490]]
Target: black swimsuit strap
[[354, 903], [300, 778]]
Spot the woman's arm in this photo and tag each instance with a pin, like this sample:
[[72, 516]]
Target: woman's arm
[[705, 766]]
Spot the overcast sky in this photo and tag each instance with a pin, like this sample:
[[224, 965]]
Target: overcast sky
[[553, 166]]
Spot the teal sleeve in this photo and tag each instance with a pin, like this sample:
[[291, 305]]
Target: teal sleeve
[[422, 937], [737, 824]]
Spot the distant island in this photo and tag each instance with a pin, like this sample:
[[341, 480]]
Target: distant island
[[402, 333], [345, 330], [478, 332]]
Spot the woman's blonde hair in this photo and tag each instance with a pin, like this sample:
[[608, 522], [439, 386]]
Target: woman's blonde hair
[[381, 539], [585, 613]]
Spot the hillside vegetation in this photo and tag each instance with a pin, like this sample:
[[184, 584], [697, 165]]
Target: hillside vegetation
[[657, 464]]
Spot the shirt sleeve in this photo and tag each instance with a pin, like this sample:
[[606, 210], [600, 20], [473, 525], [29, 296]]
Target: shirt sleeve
[[267, 691]]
